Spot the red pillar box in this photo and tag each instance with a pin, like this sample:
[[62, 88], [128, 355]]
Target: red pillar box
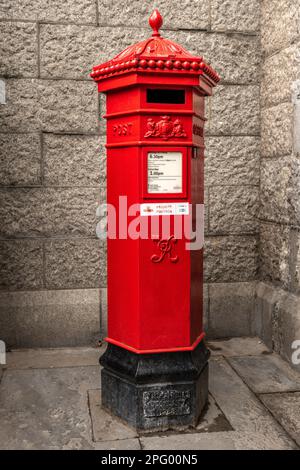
[[155, 368]]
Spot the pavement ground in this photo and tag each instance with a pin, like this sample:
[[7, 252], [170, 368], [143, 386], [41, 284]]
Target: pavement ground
[[50, 399]]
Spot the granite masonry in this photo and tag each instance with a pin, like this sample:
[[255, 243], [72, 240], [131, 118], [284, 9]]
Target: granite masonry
[[52, 161], [278, 296]]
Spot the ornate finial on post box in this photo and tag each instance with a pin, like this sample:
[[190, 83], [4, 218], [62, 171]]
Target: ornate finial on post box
[[155, 22]]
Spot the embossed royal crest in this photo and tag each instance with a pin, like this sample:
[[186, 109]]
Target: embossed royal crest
[[165, 128]]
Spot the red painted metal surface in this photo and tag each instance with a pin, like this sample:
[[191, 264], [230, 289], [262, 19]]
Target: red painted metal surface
[[154, 285]]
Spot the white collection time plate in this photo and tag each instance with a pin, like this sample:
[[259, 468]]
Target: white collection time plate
[[164, 172]]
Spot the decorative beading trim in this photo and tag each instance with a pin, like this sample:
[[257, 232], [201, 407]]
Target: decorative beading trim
[[103, 71]]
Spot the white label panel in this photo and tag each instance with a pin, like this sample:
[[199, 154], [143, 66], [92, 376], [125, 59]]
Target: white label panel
[[164, 172], [164, 208]]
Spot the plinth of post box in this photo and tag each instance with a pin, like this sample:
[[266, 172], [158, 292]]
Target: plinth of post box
[[155, 368]]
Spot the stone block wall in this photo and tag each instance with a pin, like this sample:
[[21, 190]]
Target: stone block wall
[[279, 216], [52, 162], [280, 164]]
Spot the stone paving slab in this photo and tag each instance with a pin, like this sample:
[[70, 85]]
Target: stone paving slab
[[213, 419], [266, 374], [238, 347], [211, 441], [50, 358], [121, 444], [286, 408], [244, 411], [105, 427], [46, 408]]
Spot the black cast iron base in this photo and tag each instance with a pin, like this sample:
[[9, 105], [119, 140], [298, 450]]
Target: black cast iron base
[[155, 392]]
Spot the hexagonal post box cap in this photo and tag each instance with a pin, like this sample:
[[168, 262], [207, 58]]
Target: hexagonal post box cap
[[157, 55]]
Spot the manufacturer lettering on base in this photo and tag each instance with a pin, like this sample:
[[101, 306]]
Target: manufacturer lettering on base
[[166, 403]]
